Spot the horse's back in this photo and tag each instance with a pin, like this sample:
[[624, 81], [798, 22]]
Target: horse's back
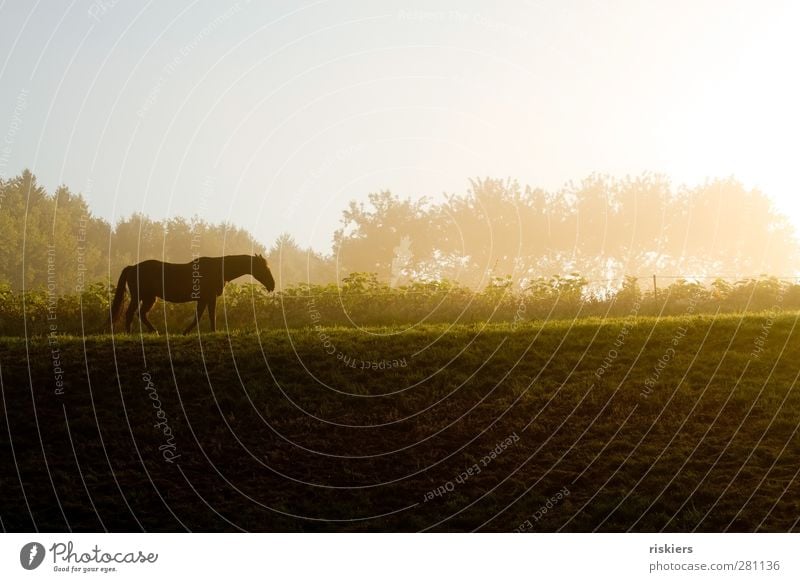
[[170, 281]]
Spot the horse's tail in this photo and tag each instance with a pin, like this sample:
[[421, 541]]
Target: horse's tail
[[119, 295]]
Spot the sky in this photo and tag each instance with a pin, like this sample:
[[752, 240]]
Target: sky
[[274, 115]]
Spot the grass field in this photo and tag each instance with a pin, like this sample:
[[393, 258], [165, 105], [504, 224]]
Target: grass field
[[675, 424]]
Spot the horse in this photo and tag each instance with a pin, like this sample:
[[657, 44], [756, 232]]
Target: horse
[[200, 280]]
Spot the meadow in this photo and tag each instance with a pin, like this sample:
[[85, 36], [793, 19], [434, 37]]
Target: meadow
[[631, 423]]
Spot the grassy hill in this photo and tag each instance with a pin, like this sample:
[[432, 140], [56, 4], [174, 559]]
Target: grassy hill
[[676, 424]]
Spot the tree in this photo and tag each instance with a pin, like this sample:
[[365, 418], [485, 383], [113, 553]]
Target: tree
[[370, 233]]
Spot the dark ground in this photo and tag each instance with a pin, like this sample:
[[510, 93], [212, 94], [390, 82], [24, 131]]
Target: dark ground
[[278, 435]]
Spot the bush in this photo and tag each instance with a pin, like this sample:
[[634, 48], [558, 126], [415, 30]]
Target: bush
[[362, 300]]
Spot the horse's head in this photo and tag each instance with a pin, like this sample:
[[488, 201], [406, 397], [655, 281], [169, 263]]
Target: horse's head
[[262, 274]]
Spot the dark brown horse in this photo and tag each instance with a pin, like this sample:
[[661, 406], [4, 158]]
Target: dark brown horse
[[201, 280]]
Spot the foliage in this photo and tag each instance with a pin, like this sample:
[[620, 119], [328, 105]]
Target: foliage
[[55, 242], [498, 231], [602, 227], [363, 300]]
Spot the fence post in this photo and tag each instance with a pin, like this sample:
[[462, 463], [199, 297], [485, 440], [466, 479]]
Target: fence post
[[655, 288]]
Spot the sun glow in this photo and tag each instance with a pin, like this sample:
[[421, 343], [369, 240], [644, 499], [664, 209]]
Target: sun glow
[[744, 119]]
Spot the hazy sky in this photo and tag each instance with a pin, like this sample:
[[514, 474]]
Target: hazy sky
[[274, 117]]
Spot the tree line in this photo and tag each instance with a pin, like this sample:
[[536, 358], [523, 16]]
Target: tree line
[[603, 228], [55, 242]]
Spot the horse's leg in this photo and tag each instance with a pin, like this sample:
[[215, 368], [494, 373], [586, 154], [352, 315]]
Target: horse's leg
[[201, 307], [147, 305], [131, 313], [133, 287], [212, 312]]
